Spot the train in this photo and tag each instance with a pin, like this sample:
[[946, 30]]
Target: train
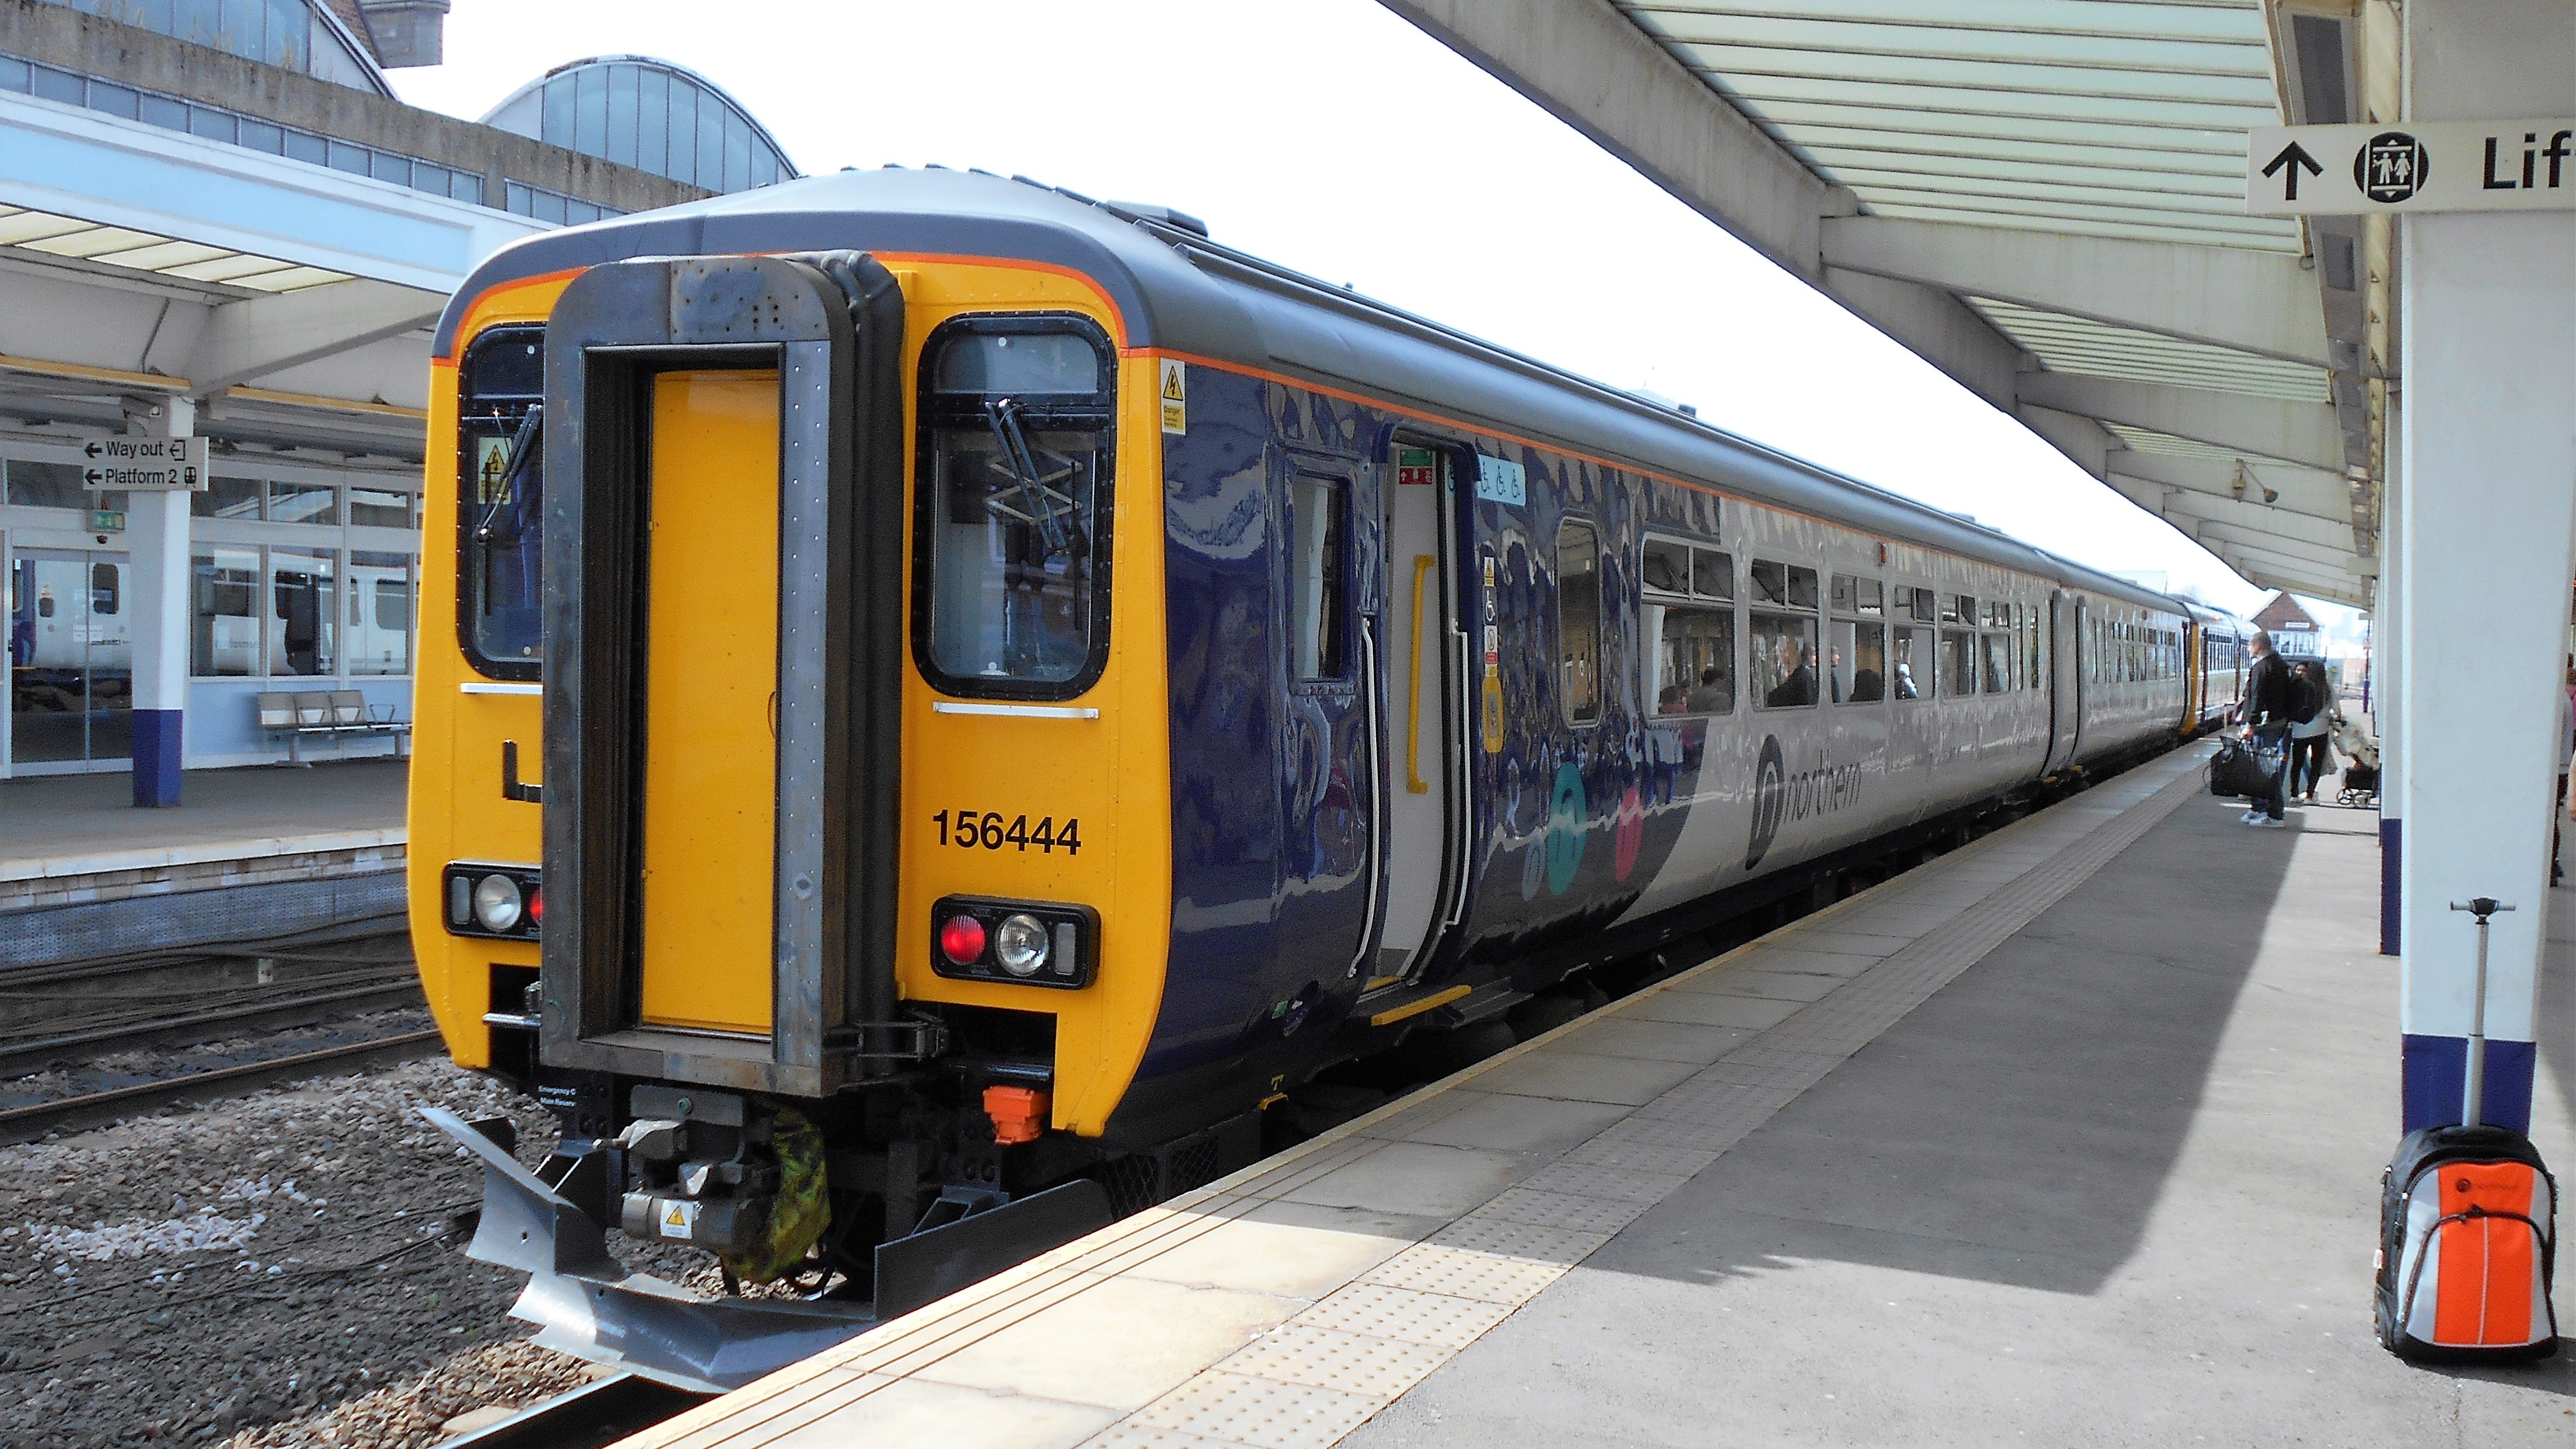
[[972, 709]]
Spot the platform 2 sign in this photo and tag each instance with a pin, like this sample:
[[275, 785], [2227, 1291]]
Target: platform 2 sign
[[2435, 166], [136, 465]]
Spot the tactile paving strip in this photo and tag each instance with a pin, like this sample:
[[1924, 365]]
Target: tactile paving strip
[[1325, 1369]]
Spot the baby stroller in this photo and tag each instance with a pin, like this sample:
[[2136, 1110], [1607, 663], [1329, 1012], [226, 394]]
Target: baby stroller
[[2360, 749]]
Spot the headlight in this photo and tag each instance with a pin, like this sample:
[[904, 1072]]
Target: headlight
[[496, 902], [1020, 945]]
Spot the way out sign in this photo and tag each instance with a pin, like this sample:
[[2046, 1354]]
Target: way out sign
[[130, 464], [2439, 166]]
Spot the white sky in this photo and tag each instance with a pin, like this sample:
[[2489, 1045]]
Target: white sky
[[1335, 138]]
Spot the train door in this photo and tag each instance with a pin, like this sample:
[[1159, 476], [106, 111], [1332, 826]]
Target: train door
[[71, 682], [1331, 754], [1912, 693], [2065, 680], [1420, 674]]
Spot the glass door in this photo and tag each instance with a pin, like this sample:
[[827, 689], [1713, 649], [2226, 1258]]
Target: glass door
[[71, 645]]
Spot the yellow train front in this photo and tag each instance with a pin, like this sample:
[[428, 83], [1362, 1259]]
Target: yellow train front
[[799, 940]]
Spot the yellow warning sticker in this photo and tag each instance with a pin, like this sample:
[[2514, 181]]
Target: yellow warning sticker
[[491, 466], [1176, 396], [678, 1218]]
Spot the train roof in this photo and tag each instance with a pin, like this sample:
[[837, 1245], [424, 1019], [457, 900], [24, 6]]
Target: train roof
[[1176, 291]]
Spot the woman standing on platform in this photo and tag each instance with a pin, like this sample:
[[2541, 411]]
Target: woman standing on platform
[[2314, 717]]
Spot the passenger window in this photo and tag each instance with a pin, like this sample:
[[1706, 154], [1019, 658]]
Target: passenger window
[[1783, 585], [1666, 566], [1015, 470], [1784, 660], [1920, 604], [1578, 620], [1958, 663], [1998, 663], [1694, 659], [1909, 663], [1856, 661], [1712, 574], [2030, 646], [1693, 662], [1318, 510]]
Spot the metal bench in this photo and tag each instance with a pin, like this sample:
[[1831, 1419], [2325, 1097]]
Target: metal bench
[[327, 712]]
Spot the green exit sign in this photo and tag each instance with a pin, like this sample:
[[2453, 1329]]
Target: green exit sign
[[106, 520]]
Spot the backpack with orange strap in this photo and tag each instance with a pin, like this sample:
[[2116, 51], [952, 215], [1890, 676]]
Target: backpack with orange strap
[[2468, 1223]]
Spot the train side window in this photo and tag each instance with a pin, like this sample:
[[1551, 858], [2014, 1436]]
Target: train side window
[[1578, 620], [106, 592], [1866, 597], [1909, 663], [1665, 565], [1856, 661], [2031, 646], [1958, 663], [1921, 605], [1318, 527], [1998, 662], [1712, 574], [1015, 457], [1783, 585], [1693, 662]]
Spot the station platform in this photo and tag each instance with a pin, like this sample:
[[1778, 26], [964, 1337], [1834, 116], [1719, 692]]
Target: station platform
[[74, 839], [2071, 1136]]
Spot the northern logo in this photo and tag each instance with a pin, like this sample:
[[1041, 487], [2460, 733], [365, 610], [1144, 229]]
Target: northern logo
[[1770, 801], [1780, 797]]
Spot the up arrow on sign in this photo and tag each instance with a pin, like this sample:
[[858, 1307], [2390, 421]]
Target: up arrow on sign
[[2439, 166]]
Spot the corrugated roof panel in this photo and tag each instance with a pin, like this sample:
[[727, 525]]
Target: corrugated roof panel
[[2102, 349]]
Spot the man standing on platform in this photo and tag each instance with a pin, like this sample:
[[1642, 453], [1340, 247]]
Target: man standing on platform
[[2265, 714]]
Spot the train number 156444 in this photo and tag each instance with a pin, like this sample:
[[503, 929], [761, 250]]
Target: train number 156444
[[985, 828]]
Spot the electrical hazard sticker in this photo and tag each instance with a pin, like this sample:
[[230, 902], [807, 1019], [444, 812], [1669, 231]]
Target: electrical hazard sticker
[[1175, 392], [679, 1219], [491, 467]]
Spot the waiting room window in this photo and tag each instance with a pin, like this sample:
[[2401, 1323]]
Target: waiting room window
[[224, 614], [233, 498], [303, 503], [304, 616], [1318, 528], [380, 614], [1689, 613], [379, 508], [1578, 620]]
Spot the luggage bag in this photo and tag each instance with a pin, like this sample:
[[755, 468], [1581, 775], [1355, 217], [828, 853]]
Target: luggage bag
[[2468, 1239], [2244, 767], [2468, 1228]]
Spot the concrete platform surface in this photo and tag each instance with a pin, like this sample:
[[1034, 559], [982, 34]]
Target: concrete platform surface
[[67, 825], [2115, 1184]]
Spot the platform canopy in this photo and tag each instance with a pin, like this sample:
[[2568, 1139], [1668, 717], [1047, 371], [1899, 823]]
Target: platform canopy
[[292, 303], [2043, 198]]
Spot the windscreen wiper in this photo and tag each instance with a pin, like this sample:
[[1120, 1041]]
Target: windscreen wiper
[[522, 452], [1003, 417]]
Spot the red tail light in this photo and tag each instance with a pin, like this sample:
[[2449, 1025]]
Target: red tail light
[[537, 905], [961, 940]]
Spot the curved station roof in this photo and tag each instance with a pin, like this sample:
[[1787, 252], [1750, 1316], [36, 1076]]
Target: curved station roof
[[2045, 199]]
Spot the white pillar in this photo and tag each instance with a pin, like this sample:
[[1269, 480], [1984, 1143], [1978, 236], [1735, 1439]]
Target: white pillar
[[2490, 485], [156, 529]]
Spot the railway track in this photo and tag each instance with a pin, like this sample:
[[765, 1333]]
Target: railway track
[[33, 1047], [92, 1109], [589, 1417]]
